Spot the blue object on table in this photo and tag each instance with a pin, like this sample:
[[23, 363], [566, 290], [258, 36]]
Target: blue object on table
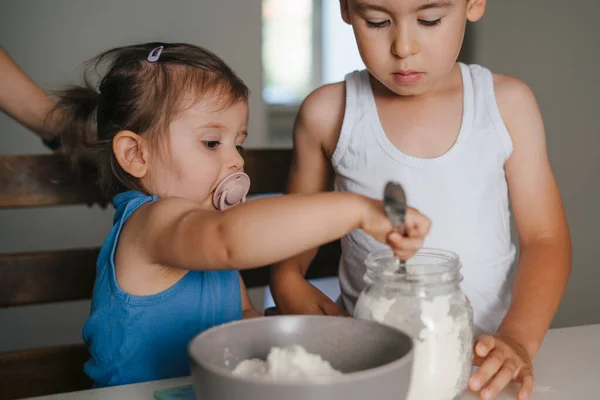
[[185, 392]]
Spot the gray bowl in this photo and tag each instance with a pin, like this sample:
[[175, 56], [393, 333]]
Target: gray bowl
[[376, 359]]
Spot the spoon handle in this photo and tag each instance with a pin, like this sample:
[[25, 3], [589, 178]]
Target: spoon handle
[[394, 204]]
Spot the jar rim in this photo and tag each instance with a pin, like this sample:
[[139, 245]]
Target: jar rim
[[427, 266]]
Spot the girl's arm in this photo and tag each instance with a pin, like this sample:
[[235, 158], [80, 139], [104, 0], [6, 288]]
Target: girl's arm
[[176, 232]]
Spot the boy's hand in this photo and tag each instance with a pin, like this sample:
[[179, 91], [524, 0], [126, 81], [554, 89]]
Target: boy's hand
[[250, 313], [501, 359], [307, 299]]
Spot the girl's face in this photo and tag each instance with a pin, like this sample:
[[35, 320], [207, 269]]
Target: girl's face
[[204, 146]]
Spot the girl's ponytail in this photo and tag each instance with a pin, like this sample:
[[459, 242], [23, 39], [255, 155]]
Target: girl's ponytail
[[76, 112]]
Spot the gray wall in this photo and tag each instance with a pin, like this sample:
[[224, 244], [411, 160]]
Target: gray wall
[[49, 40], [553, 46]]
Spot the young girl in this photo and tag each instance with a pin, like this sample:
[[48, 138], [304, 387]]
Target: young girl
[[168, 122], [461, 140]]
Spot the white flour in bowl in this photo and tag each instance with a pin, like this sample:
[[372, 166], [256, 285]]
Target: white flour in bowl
[[289, 363]]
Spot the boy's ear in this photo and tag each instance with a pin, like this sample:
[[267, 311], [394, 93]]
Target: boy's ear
[[475, 10], [131, 155], [345, 11]]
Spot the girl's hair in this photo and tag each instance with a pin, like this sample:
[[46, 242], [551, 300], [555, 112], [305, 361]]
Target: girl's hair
[[139, 94]]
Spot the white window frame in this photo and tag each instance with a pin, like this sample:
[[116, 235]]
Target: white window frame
[[280, 117]]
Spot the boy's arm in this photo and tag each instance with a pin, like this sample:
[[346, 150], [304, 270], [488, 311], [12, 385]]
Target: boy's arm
[[248, 310], [316, 131], [545, 246]]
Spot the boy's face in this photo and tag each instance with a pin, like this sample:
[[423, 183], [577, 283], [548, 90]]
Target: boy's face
[[410, 45]]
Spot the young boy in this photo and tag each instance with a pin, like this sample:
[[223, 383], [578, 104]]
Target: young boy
[[464, 143]]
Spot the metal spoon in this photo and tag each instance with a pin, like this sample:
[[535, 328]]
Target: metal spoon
[[394, 204]]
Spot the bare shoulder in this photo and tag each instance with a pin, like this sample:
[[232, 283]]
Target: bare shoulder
[[511, 88], [143, 243], [523, 119], [516, 102], [321, 116], [154, 224], [152, 220]]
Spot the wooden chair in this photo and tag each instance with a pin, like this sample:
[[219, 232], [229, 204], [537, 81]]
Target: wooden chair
[[66, 275]]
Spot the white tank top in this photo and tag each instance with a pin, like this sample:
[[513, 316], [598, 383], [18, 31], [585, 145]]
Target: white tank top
[[464, 191]]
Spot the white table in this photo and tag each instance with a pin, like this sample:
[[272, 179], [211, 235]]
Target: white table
[[566, 368]]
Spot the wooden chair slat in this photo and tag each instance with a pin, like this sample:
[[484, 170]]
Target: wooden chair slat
[[40, 372], [47, 180], [41, 180], [268, 170], [46, 277]]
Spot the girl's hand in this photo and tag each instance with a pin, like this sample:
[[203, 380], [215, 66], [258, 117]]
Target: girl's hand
[[377, 224], [416, 227]]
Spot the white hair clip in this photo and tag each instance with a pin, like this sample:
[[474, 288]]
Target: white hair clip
[[155, 54]]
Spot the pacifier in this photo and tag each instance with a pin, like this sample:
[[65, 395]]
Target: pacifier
[[231, 191]]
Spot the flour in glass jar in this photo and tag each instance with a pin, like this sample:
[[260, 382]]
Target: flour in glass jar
[[442, 348]]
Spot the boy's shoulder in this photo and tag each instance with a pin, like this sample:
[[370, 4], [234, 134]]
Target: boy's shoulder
[[508, 89], [322, 113], [517, 104], [325, 103]]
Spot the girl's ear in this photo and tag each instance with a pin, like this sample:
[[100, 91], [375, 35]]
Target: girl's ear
[[131, 154]]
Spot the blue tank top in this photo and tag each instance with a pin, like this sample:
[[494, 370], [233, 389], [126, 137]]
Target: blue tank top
[[142, 338]]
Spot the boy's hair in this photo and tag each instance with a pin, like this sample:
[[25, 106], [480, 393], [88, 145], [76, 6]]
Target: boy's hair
[[142, 95]]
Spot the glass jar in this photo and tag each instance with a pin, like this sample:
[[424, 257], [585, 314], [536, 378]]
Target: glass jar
[[423, 298]]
